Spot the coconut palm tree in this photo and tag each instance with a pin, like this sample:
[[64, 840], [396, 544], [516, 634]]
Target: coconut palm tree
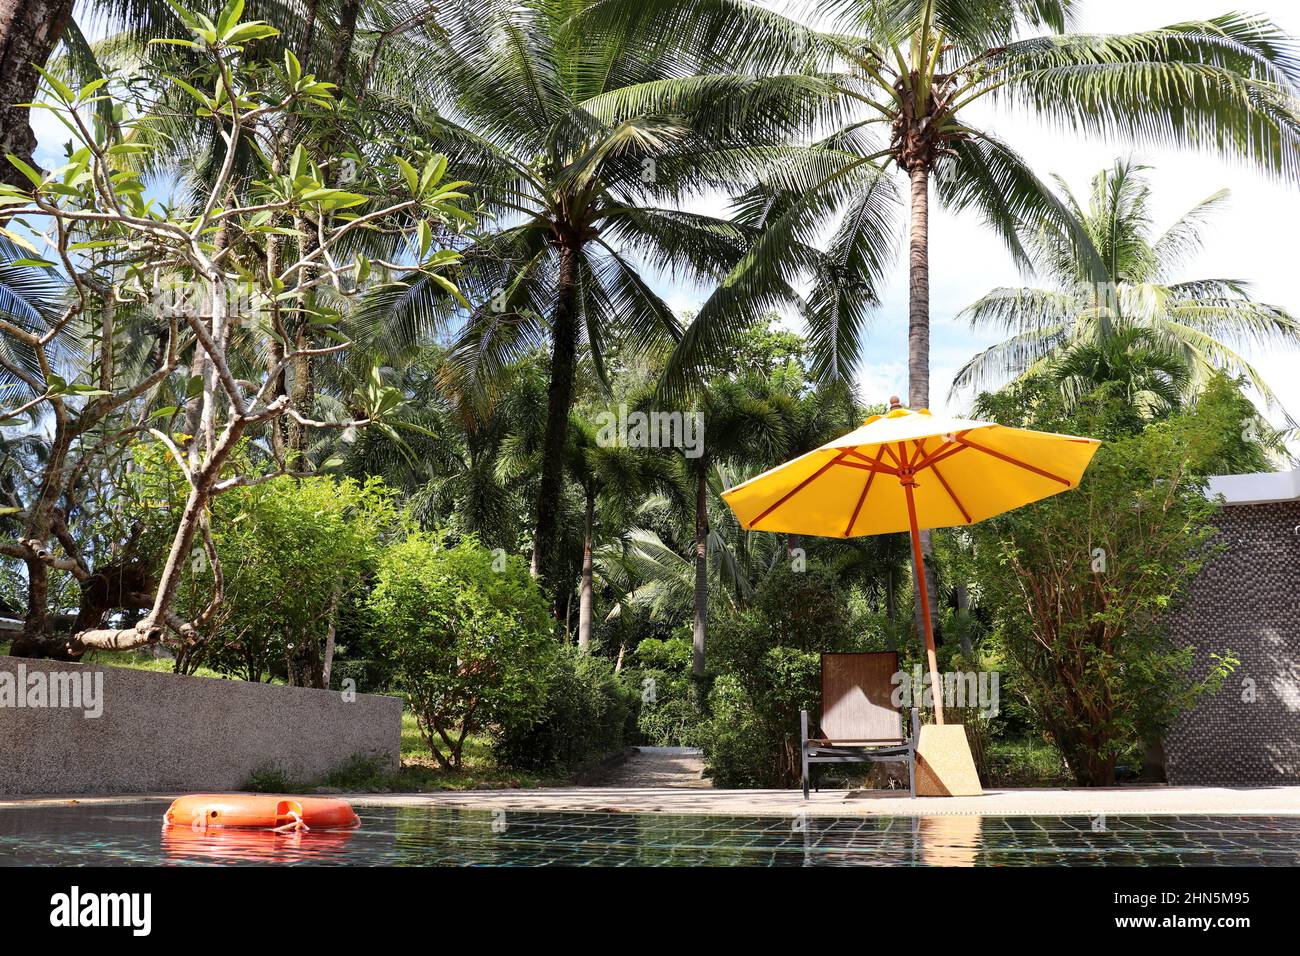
[[1144, 301], [619, 476], [742, 425], [583, 149], [915, 68], [1132, 365]]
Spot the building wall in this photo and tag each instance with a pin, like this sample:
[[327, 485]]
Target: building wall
[[166, 732], [1247, 601]]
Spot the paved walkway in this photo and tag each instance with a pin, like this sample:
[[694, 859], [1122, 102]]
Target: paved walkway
[[1131, 801], [629, 798], [668, 768]]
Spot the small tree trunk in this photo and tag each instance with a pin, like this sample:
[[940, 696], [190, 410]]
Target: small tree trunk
[[328, 665], [701, 571], [564, 358], [584, 594], [918, 357]]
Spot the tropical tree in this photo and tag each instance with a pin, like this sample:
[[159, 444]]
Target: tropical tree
[[340, 41], [618, 475], [1143, 301], [584, 148], [915, 68], [122, 253], [1131, 367], [741, 425]]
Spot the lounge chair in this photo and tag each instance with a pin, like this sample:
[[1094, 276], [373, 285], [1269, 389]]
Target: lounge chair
[[859, 722]]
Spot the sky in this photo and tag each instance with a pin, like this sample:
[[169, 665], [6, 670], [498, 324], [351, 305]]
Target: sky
[[1251, 240]]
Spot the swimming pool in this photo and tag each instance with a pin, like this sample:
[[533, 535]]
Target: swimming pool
[[132, 833]]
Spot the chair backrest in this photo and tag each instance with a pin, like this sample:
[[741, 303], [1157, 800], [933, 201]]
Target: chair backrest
[[856, 697]]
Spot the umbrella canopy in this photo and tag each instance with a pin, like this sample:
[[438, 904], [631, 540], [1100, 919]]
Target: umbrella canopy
[[907, 470], [959, 471]]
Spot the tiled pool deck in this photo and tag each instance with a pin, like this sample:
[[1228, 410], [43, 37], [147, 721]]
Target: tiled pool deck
[[1138, 801]]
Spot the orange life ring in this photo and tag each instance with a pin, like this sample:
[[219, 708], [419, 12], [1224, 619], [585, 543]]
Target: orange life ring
[[204, 810]]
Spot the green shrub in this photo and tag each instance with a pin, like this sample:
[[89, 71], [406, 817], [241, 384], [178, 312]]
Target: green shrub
[[770, 666], [671, 713], [1080, 585], [588, 714], [469, 636], [294, 552], [736, 745]]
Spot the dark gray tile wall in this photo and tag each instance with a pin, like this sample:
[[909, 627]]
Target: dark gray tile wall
[[1247, 601]]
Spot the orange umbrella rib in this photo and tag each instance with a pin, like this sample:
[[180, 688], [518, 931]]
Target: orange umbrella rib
[[861, 498], [1015, 461], [951, 494], [797, 488], [877, 463], [940, 454]]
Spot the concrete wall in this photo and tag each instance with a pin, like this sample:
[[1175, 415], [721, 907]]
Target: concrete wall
[[165, 732], [1247, 601]]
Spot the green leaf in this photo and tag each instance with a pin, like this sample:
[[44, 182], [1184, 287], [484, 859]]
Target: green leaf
[[229, 16], [250, 31], [26, 170], [433, 172], [411, 177], [424, 239], [61, 89]]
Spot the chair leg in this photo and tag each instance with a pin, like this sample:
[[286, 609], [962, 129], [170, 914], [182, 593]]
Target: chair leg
[[911, 773], [803, 733]]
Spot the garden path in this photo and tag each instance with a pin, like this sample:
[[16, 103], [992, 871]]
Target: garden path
[[673, 767]]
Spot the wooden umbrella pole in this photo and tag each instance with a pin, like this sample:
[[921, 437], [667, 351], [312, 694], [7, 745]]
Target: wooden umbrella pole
[[918, 562]]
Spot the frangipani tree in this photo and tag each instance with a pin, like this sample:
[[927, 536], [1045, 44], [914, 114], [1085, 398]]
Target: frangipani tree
[[206, 274]]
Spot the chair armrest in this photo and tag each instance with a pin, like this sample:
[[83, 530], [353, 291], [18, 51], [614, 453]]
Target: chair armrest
[[916, 725], [803, 727]]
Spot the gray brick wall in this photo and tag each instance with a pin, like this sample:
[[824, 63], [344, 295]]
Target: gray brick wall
[[1247, 600], [167, 733]]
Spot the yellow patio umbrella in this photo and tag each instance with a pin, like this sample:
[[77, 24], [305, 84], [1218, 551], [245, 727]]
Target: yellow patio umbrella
[[907, 470]]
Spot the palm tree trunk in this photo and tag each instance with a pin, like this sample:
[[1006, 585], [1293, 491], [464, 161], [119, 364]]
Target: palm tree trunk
[[918, 293], [338, 69], [584, 593], [918, 354], [564, 359], [701, 571], [29, 31]]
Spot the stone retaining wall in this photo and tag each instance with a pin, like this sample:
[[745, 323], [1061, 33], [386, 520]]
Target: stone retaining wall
[[166, 732]]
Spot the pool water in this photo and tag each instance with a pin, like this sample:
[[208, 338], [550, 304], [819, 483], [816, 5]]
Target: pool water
[[132, 833]]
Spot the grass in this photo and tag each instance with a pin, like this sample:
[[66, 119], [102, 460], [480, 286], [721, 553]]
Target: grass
[[1025, 763], [135, 661], [419, 772]]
